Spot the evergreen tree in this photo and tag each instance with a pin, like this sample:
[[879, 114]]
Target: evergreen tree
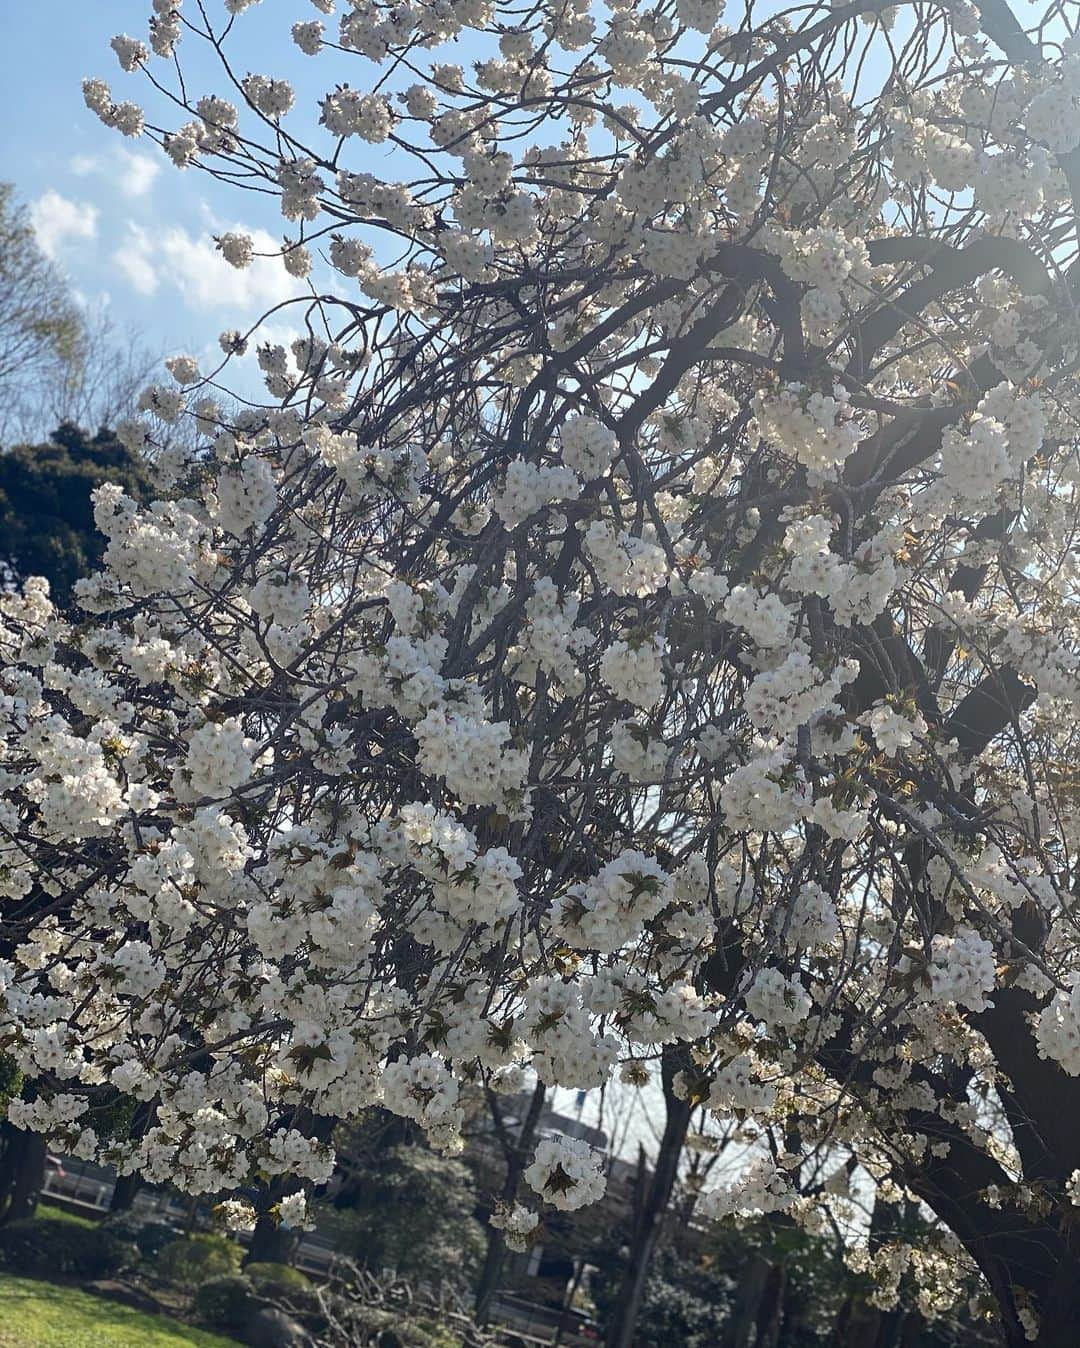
[[46, 512]]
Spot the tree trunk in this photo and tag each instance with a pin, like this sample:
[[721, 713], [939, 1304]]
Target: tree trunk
[[495, 1255], [890, 1327], [124, 1191], [127, 1186], [568, 1300], [620, 1333], [1027, 1262], [31, 1178], [272, 1243], [748, 1298], [911, 1331], [770, 1316], [10, 1148], [22, 1172], [856, 1326]]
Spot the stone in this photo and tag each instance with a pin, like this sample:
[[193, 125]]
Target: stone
[[271, 1328]]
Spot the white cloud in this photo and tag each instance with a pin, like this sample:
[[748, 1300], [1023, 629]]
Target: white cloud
[[137, 172], [191, 265], [57, 220], [135, 263], [131, 171]]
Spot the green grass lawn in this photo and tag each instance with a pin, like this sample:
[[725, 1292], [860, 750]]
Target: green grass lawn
[[37, 1314], [61, 1215]]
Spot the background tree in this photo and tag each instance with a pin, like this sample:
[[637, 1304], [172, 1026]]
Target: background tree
[[46, 513], [42, 332], [516, 1141], [412, 1211], [97, 391], [651, 1209], [61, 363]]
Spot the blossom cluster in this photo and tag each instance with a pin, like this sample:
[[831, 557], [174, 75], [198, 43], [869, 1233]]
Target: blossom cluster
[[638, 621]]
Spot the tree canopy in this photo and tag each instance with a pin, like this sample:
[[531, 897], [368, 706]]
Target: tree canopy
[[41, 326], [46, 512], [642, 613], [411, 1210]]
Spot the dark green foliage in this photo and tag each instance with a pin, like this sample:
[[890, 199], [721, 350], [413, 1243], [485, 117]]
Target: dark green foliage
[[149, 1237], [193, 1259], [226, 1302], [274, 1279], [46, 1247], [436, 1335], [11, 1080], [46, 515], [411, 1210], [114, 1112], [701, 1288], [715, 1285], [685, 1302]]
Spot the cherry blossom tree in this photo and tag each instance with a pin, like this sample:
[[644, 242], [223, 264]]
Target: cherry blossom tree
[[640, 613]]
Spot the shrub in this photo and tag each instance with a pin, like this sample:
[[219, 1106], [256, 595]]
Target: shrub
[[226, 1302], [152, 1238], [194, 1259], [149, 1237], [274, 1279], [46, 1247]]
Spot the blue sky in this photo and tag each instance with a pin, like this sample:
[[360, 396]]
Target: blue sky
[[111, 212], [129, 230]]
